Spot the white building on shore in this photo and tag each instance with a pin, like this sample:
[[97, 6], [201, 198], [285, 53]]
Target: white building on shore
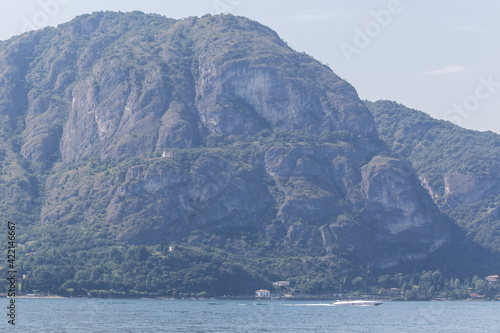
[[263, 293]]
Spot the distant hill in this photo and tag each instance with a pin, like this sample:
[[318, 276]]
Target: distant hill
[[459, 168], [142, 155]]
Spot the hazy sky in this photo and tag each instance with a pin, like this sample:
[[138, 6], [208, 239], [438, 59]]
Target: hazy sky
[[440, 57]]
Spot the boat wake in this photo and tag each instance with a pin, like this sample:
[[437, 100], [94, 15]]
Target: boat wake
[[325, 304]]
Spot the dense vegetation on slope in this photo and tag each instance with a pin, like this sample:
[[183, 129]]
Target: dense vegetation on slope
[[460, 168], [72, 261]]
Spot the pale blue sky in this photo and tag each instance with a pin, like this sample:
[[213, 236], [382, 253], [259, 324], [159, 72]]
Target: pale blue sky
[[440, 57]]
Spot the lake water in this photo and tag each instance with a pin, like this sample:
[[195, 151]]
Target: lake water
[[118, 315]]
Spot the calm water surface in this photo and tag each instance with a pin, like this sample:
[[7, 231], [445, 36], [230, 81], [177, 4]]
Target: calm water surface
[[117, 315]]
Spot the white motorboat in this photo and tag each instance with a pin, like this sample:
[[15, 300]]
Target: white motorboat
[[357, 303]]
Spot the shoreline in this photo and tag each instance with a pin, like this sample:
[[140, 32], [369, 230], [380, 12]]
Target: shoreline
[[250, 298]]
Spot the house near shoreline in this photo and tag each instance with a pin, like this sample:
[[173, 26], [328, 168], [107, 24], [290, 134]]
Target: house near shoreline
[[492, 279], [263, 293], [476, 296], [281, 284]]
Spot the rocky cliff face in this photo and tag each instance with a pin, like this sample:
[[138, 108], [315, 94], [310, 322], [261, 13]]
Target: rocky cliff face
[[263, 139]]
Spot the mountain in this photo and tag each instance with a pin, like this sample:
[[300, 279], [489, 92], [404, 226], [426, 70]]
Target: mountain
[[459, 168], [126, 135]]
